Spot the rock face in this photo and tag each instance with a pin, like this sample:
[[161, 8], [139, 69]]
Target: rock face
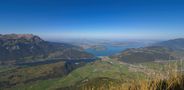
[[16, 47]]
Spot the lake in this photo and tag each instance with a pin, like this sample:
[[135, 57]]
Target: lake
[[111, 50]]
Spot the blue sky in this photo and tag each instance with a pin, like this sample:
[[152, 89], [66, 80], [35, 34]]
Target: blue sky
[[109, 19]]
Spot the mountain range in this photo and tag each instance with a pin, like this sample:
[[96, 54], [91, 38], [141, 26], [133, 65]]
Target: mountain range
[[165, 50], [25, 47], [175, 44]]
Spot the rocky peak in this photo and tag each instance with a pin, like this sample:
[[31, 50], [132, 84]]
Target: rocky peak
[[29, 37]]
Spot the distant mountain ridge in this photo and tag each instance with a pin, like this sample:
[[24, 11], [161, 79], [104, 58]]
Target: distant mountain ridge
[[166, 50], [15, 47], [146, 54], [18, 36], [173, 44]]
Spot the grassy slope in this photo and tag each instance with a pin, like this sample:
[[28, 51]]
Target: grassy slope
[[32, 74], [6, 68], [163, 65], [173, 79], [110, 69], [38, 85]]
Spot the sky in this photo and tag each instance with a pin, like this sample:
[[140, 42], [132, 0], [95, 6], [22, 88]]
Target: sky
[[103, 19]]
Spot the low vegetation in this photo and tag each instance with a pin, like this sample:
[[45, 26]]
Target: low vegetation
[[114, 75], [172, 83], [29, 74], [174, 80]]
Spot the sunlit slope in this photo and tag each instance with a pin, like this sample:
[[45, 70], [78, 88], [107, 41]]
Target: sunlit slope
[[108, 68], [28, 75], [107, 71], [159, 76], [100, 69]]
